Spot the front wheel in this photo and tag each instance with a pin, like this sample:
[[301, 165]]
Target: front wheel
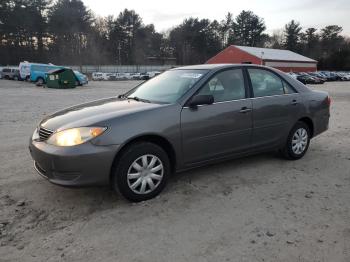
[[298, 142], [141, 172]]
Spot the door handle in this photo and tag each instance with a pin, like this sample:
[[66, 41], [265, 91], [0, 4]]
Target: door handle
[[245, 110], [294, 102]]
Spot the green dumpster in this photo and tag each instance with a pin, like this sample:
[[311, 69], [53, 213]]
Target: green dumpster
[[61, 78]]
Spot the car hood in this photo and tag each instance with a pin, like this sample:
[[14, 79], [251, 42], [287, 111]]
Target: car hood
[[92, 113]]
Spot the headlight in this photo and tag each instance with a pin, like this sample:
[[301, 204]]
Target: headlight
[[75, 136]]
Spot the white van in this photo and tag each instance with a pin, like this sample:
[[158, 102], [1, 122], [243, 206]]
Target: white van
[[97, 76], [25, 67], [24, 70]]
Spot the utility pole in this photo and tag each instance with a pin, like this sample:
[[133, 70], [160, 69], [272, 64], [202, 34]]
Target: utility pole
[[262, 55]]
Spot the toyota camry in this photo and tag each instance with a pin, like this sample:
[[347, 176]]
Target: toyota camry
[[183, 118]]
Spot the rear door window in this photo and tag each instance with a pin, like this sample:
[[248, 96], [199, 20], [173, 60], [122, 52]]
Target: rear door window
[[265, 83]]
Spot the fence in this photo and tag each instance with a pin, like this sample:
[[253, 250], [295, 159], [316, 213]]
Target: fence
[[88, 69]]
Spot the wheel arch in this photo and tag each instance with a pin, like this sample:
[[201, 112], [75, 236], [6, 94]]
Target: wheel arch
[[39, 77], [308, 121], [152, 138]]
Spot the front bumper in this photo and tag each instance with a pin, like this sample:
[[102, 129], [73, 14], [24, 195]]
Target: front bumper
[[81, 165]]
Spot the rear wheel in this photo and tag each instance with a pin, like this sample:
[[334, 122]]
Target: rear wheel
[[40, 81], [141, 172], [298, 142]]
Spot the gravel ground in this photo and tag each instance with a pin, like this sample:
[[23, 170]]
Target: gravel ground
[[260, 208]]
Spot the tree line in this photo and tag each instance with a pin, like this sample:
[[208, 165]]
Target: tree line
[[67, 32]]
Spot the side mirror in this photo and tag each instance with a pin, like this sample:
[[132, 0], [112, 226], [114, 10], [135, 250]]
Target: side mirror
[[201, 100]]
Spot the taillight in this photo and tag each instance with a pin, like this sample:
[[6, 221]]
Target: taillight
[[328, 100]]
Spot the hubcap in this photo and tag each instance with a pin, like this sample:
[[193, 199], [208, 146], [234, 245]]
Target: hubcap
[[299, 141], [145, 174]]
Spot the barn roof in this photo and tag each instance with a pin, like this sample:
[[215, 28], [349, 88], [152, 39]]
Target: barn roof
[[275, 54]]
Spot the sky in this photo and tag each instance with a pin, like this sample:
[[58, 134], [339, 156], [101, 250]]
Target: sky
[[165, 14]]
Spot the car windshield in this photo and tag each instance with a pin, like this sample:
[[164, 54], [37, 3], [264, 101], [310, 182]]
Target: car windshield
[[167, 87]]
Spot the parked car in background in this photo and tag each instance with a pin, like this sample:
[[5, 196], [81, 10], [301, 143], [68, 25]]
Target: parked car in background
[[153, 73], [317, 75], [342, 76], [330, 76], [346, 76], [301, 74], [110, 76], [144, 76], [303, 79], [307, 79], [136, 76], [320, 76], [123, 76], [10, 73], [97, 76], [294, 75], [184, 118], [119, 76], [336, 76], [128, 76], [81, 78]]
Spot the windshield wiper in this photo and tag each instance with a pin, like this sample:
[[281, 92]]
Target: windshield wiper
[[138, 99], [122, 96]]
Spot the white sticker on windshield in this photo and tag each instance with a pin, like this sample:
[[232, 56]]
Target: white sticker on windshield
[[191, 75]]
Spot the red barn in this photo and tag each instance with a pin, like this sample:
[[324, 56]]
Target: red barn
[[283, 60]]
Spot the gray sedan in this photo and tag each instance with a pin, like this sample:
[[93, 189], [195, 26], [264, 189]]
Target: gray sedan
[[184, 118]]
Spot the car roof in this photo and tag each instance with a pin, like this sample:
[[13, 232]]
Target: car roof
[[214, 66], [204, 67]]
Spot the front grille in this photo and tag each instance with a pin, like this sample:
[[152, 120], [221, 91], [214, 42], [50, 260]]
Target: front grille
[[44, 133]]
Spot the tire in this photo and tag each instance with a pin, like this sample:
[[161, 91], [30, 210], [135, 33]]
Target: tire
[[295, 148], [132, 181], [40, 81]]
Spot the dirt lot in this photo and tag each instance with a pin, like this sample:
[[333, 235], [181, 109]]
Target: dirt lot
[[260, 208]]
